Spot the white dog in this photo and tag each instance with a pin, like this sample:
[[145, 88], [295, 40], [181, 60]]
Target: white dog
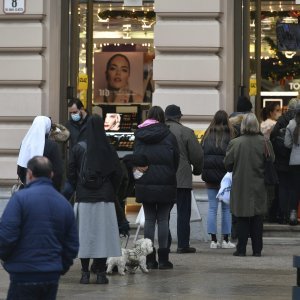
[[131, 259]]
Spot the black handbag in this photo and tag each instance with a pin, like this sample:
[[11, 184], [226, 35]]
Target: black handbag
[[271, 177]]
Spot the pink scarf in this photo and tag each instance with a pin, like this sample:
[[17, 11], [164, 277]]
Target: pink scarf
[[147, 123]]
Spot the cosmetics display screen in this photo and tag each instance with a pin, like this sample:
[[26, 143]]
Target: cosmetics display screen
[[121, 141]]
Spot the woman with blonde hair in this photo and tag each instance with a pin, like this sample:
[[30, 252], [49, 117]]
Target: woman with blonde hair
[[245, 158], [214, 143]]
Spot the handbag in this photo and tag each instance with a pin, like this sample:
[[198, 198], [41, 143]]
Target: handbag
[[270, 175], [17, 186]]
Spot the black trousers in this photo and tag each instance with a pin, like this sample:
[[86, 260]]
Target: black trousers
[[253, 227], [32, 291], [284, 194], [294, 187], [184, 200]]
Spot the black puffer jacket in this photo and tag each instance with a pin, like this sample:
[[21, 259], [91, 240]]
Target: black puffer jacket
[[282, 154], [159, 145], [213, 167]]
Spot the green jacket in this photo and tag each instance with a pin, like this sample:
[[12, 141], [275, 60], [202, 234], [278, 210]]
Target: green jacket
[[245, 158], [191, 154]]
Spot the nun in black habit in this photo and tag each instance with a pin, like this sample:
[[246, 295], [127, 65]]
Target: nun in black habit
[[95, 208]]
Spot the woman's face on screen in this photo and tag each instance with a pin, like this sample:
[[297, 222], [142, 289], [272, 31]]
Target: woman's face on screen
[[118, 73], [112, 121]]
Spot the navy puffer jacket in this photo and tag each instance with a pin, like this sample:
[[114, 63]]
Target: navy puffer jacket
[[158, 184]]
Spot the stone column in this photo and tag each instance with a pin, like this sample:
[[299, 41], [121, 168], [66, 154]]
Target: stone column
[[29, 75]]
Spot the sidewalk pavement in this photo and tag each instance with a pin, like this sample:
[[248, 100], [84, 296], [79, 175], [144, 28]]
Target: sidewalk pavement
[[207, 274]]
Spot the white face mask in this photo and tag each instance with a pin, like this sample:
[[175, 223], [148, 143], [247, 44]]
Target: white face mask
[[137, 174]]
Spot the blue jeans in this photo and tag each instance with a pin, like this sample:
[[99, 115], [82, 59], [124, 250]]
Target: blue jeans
[[32, 291], [213, 203]]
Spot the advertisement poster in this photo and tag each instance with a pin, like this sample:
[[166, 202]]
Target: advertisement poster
[[118, 77]]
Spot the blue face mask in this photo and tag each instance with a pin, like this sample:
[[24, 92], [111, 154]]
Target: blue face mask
[[76, 117]]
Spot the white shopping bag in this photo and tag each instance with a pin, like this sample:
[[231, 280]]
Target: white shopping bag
[[140, 219], [195, 214]]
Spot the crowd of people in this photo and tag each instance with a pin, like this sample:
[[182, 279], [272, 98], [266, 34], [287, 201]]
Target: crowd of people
[[41, 233]]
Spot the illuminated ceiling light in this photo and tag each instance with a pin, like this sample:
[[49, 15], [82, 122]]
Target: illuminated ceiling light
[[289, 54]]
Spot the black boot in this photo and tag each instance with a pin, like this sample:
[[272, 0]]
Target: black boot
[[101, 278], [163, 259], [151, 260], [85, 278]]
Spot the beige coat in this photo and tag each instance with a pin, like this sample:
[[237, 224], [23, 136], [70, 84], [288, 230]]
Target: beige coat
[[245, 158]]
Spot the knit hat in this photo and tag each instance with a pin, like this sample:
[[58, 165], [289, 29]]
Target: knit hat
[[173, 112], [244, 104]]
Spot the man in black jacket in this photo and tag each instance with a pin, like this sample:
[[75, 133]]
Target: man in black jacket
[[191, 154], [77, 123], [77, 128]]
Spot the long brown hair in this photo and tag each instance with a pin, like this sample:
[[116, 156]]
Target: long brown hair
[[220, 127]]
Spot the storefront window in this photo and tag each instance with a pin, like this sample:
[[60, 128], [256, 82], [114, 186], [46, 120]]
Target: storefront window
[[280, 50], [123, 53]]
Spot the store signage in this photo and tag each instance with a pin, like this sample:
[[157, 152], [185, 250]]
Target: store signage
[[295, 86], [82, 81], [133, 2], [252, 89], [14, 6]]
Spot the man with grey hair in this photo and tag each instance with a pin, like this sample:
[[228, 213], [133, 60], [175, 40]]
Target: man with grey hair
[[191, 155], [282, 157]]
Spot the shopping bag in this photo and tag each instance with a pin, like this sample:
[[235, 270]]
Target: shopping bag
[[140, 219], [195, 214]]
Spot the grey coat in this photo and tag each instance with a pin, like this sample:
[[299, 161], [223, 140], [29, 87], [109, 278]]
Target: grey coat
[[191, 154], [288, 142], [245, 158]]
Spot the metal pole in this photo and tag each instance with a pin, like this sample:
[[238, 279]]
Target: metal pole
[[258, 55], [89, 52], [238, 58], [74, 46], [245, 48]]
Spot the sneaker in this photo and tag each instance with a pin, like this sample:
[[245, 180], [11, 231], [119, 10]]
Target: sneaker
[[214, 245], [227, 245]]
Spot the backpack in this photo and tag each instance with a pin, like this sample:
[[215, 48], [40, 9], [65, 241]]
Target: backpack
[[88, 178]]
